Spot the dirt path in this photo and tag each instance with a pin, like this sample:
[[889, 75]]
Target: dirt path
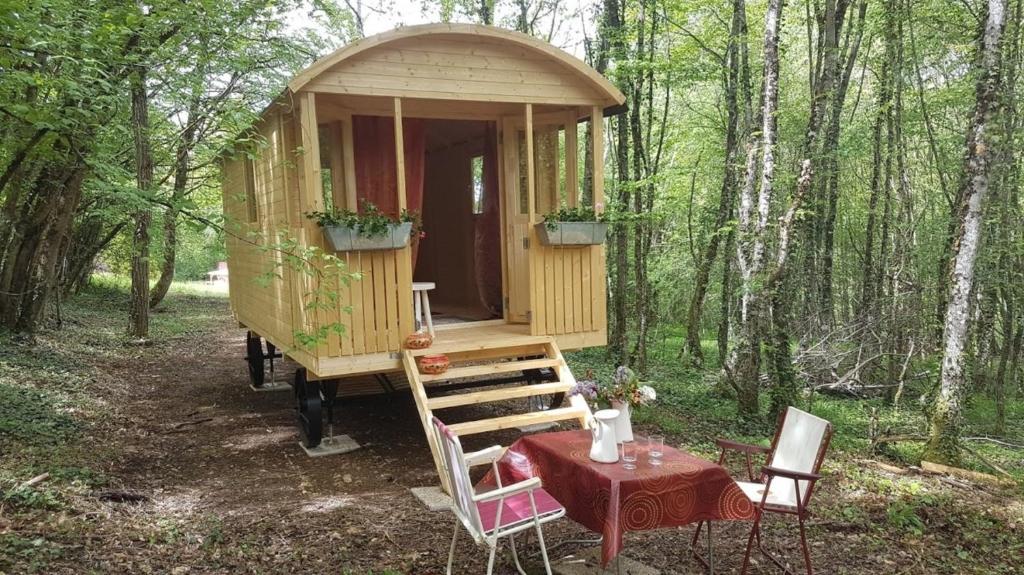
[[228, 490], [231, 491]]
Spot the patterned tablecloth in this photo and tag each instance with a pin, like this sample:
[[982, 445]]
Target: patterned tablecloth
[[609, 499]]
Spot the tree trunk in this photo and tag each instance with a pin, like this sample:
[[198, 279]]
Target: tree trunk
[[613, 27], [138, 311], [182, 157], [726, 198], [944, 433], [743, 368]]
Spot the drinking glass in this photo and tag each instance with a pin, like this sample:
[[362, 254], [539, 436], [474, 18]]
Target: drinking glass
[[629, 454], [656, 448]]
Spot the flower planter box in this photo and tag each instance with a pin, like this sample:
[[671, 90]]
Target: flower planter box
[[572, 233], [343, 239]]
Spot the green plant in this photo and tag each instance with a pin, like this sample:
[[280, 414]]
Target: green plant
[[577, 214], [25, 554], [370, 222], [329, 272], [33, 416], [32, 498]]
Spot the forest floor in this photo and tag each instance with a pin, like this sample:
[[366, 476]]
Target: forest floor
[[160, 459]]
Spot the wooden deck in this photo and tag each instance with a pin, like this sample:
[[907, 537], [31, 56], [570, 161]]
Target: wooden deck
[[484, 334]]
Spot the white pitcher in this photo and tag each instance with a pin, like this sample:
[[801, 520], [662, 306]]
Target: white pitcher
[[624, 422], [604, 448]]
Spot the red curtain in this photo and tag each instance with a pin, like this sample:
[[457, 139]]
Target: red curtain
[[376, 170], [487, 245]]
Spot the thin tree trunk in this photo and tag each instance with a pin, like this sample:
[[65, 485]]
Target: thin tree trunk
[[138, 311], [182, 156], [726, 197], [743, 369]]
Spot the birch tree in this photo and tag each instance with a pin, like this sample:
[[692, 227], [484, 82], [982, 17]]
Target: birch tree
[[743, 370], [943, 443]]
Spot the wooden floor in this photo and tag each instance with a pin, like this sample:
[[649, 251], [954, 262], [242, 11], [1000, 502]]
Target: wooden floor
[[479, 330], [450, 338], [446, 337]]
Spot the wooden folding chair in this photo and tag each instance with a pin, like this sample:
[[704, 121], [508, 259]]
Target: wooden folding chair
[[787, 479], [503, 512]]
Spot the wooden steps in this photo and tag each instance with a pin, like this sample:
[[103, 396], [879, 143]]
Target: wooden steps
[[504, 347], [517, 420], [490, 369], [499, 394], [490, 359]]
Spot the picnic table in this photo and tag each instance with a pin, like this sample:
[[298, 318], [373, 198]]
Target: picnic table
[[611, 500]]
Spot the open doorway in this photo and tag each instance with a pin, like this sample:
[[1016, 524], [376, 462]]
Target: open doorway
[[460, 251]]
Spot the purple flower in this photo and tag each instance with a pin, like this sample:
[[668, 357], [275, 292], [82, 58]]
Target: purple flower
[[585, 387]]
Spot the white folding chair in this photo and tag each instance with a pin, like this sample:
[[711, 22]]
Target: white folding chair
[[504, 511], [787, 478]]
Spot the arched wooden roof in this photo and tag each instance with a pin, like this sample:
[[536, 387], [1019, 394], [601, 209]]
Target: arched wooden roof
[[460, 62]]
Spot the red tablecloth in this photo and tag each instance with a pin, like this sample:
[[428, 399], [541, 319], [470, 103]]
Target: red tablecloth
[[609, 499]]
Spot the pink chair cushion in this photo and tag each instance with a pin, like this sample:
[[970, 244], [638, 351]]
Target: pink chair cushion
[[516, 509]]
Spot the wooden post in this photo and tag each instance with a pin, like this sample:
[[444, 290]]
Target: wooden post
[[310, 154], [400, 154], [597, 153], [531, 192], [571, 163], [403, 260]]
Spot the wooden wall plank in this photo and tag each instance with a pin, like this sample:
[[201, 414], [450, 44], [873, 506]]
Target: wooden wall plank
[[358, 308], [557, 287], [369, 314], [381, 287]]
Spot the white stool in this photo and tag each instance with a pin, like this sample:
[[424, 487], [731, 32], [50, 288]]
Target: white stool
[[421, 300]]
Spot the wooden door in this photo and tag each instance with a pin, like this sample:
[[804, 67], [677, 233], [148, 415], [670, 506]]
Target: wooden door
[[553, 179], [517, 222]]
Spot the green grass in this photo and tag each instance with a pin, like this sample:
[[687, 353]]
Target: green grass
[[692, 404]]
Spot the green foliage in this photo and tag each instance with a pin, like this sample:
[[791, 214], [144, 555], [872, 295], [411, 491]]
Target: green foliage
[[33, 416], [368, 222], [908, 514], [328, 273], [40, 498], [21, 552], [577, 214]]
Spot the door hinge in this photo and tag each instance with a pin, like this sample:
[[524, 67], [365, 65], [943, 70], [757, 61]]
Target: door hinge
[[526, 243], [529, 315]]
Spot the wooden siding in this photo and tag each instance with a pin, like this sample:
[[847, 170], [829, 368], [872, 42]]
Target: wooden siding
[[457, 67], [568, 289], [267, 310]]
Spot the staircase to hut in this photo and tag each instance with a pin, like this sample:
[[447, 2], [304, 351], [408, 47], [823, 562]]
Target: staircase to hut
[[524, 366]]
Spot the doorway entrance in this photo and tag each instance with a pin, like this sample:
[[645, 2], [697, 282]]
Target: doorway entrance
[[460, 249]]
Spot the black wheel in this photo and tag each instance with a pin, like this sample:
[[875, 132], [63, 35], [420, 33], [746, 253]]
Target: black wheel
[[545, 375], [254, 357], [309, 409]]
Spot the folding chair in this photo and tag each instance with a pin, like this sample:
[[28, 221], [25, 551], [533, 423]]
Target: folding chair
[[787, 479], [504, 511]]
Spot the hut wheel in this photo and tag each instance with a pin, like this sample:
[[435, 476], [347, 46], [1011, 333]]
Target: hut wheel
[[254, 357], [308, 408], [534, 376]]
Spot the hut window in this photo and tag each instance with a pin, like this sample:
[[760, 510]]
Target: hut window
[[523, 182], [250, 190], [477, 169], [326, 178]]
